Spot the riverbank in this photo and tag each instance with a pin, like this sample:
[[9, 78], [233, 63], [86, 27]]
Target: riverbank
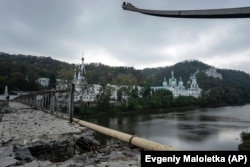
[[83, 112], [34, 138], [245, 145], [114, 113]]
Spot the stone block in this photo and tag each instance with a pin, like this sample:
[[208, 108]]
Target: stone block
[[32, 164], [44, 163], [8, 161]]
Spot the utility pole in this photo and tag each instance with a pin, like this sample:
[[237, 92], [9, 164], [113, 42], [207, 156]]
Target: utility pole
[[71, 106]]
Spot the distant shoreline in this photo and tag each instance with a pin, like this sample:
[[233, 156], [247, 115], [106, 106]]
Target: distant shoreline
[[147, 111]]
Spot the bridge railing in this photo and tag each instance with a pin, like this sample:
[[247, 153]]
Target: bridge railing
[[59, 102]]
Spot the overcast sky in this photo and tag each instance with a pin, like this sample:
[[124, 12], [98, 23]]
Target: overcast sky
[[64, 29]]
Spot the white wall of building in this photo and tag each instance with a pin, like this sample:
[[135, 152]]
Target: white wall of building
[[43, 82]]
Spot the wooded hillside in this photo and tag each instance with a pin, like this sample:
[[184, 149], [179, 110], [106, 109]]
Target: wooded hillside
[[19, 72]]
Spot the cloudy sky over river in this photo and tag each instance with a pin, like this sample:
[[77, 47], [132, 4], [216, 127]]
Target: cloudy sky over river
[[63, 29]]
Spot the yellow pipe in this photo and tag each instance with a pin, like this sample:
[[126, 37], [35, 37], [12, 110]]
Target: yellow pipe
[[131, 139]]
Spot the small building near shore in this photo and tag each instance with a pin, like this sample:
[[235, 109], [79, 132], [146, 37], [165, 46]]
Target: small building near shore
[[43, 82]]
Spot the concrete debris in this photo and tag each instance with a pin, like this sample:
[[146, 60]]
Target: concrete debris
[[33, 138]]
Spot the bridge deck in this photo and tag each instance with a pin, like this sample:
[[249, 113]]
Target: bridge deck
[[23, 127]]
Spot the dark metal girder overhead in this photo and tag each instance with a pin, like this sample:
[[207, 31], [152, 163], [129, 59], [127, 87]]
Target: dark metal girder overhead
[[243, 12]]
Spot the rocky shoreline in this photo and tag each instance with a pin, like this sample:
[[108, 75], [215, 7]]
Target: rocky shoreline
[[33, 138]]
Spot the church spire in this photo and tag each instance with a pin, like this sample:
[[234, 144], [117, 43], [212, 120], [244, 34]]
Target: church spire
[[82, 56], [164, 83], [82, 66]]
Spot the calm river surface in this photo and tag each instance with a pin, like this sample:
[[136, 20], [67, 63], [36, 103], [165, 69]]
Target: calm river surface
[[200, 129]]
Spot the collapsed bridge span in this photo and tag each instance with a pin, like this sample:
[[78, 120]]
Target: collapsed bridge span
[[243, 12]]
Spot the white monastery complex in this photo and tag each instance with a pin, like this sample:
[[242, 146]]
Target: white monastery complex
[[178, 89], [89, 92]]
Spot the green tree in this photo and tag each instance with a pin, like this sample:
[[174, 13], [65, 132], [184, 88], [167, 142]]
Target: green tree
[[146, 95], [215, 96], [182, 101], [234, 96], [52, 79], [103, 98], [18, 79], [162, 98]]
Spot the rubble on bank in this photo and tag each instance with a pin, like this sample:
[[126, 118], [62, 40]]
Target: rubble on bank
[[33, 138]]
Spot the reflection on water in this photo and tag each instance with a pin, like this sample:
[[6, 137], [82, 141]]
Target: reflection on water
[[201, 129]]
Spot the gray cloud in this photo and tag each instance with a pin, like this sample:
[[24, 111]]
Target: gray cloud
[[63, 29]]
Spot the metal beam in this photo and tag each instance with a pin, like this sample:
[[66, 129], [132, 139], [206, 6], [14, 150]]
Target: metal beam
[[243, 12], [131, 139]]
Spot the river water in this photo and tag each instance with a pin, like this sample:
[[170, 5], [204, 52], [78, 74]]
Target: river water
[[200, 129]]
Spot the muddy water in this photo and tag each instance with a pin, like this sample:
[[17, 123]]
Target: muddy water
[[200, 129]]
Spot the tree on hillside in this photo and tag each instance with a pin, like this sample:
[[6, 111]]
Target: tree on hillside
[[161, 98], [18, 80], [52, 80], [103, 98]]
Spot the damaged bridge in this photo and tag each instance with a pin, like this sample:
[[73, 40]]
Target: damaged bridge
[[38, 129]]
